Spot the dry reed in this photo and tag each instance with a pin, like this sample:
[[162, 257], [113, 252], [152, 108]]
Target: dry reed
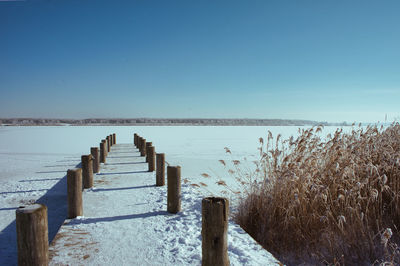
[[332, 200]]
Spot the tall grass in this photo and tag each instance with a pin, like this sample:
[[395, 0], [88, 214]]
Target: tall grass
[[332, 200]]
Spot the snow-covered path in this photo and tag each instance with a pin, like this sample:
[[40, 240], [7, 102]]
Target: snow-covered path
[[125, 222]]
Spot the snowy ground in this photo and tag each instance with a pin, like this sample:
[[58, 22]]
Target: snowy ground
[[128, 208], [125, 222]]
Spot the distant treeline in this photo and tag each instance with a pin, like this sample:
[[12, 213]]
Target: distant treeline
[[158, 121]]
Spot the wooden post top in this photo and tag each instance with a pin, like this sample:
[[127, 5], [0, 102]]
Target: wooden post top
[[174, 167], [215, 200], [75, 170], [30, 208]]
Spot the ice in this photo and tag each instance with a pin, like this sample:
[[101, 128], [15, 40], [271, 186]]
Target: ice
[[34, 162]]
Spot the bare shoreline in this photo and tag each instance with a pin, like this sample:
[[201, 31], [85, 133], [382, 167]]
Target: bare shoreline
[[158, 122]]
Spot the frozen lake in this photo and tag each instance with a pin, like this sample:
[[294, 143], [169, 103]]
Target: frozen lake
[[34, 161], [196, 149]]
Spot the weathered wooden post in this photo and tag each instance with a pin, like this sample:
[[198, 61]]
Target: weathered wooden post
[[32, 235], [151, 156], [143, 147], [87, 171], [114, 139], [148, 144], [160, 169], [174, 189], [94, 151], [141, 143], [106, 149], [139, 140], [108, 144], [103, 151], [74, 191], [214, 230], [135, 139]]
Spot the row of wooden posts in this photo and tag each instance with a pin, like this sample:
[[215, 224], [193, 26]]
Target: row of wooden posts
[[32, 225], [31, 221], [215, 210], [81, 178], [156, 162]]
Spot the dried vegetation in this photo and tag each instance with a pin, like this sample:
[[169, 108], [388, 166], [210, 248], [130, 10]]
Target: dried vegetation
[[331, 200]]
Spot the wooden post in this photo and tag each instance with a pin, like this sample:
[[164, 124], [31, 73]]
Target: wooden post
[[87, 171], [139, 140], [141, 143], [214, 230], [94, 151], [111, 140], [148, 144], [143, 147], [32, 235], [108, 143], [114, 139], [151, 156], [135, 139], [107, 146], [160, 169], [74, 191], [174, 189], [103, 151]]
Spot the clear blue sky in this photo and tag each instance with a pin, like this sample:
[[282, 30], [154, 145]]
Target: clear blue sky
[[325, 60]]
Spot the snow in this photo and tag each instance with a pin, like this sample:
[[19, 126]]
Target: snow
[[129, 211], [125, 219]]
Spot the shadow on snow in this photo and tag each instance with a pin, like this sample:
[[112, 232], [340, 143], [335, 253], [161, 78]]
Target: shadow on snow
[[120, 188], [116, 218], [56, 201], [124, 173]]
